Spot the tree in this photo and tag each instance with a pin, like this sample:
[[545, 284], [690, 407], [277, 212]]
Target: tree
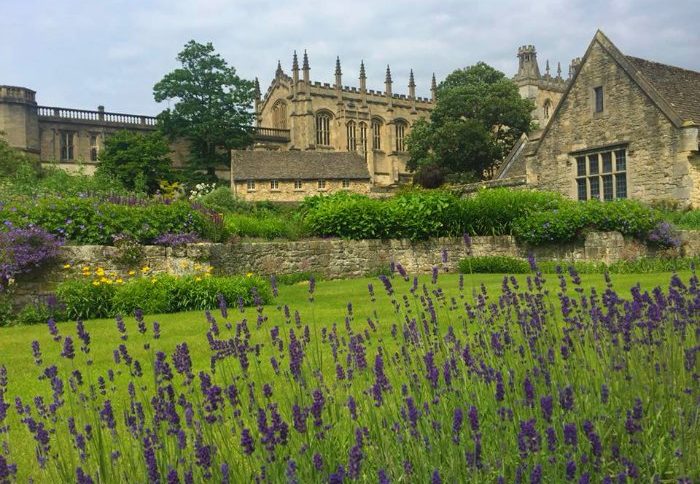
[[212, 106], [138, 161], [478, 117]]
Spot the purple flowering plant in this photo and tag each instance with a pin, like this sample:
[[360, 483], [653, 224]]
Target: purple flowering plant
[[422, 382]]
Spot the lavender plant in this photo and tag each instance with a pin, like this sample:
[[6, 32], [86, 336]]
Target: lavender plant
[[529, 384], [23, 250]]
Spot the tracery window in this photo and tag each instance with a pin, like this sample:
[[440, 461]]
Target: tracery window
[[376, 134], [279, 114], [547, 109], [363, 137], [352, 133], [323, 129], [67, 145], [400, 133]]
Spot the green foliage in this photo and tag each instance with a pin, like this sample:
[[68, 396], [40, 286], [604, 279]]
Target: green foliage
[[493, 265], [351, 216], [160, 294], [478, 117], [297, 277], [136, 160], [222, 200], [212, 106], [688, 220], [85, 299], [15, 163], [570, 220], [265, 225], [92, 221], [494, 211], [38, 312]]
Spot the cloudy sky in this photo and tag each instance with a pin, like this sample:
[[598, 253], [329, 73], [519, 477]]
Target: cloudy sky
[[82, 53]]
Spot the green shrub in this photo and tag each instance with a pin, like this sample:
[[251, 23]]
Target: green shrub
[[495, 264], [40, 311], [85, 299], [688, 220], [159, 294], [93, 221], [265, 225], [495, 211], [350, 216], [222, 200]]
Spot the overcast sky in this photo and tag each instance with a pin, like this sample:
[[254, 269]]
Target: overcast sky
[[82, 53]]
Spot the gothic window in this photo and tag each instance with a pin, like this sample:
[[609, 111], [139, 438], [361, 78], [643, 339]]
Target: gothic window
[[323, 129], [279, 114], [352, 133], [94, 148], [547, 109], [363, 137], [376, 134], [598, 99], [67, 145], [602, 175], [400, 132]]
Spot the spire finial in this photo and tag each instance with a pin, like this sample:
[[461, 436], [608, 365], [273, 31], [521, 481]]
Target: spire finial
[[546, 68], [279, 72], [362, 70], [388, 74], [559, 70], [433, 89], [306, 61], [411, 81], [257, 89], [337, 66], [295, 62]]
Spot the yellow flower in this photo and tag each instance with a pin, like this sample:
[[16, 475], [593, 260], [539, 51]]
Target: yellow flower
[[145, 269], [103, 279], [119, 280], [99, 271], [108, 281], [210, 268], [197, 278], [86, 268], [207, 275], [131, 273], [183, 263], [66, 266], [250, 274], [87, 274], [95, 283], [153, 280]]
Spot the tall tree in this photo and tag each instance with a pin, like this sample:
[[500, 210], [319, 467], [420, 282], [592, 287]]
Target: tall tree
[[139, 161], [213, 106], [478, 117]]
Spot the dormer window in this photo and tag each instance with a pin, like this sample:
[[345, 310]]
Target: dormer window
[[598, 91]]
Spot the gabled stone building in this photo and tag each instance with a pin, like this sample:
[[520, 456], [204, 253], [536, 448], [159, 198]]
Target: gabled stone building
[[625, 128]]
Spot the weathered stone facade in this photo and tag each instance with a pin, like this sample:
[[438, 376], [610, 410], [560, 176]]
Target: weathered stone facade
[[335, 258], [296, 191], [625, 128]]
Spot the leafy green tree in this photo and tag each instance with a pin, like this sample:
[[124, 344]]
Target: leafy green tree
[[138, 161], [478, 117], [213, 106]]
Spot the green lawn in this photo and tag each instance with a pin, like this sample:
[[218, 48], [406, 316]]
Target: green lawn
[[329, 307]]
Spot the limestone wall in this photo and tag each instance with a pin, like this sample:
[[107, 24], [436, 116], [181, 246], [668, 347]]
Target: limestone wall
[[333, 258]]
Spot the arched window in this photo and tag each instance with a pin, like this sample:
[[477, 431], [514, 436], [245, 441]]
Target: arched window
[[352, 136], [363, 137], [376, 134], [400, 133], [279, 114], [547, 109], [323, 129]]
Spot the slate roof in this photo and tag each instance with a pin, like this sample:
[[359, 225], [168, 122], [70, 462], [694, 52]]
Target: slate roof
[[680, 87], [298, 165]]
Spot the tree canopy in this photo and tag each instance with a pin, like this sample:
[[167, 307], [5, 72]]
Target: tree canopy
[[138, 161], [212, 106], [478, 116]]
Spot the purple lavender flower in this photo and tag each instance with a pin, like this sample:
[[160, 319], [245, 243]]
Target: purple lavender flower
[[566, 398], [68, 348], [36, 352], [317, 461], [382, 477], [457, 419], [435, 479], [546, 404], [570, 434], [247, 442], [355, 461], [80, 477], [571, 470]]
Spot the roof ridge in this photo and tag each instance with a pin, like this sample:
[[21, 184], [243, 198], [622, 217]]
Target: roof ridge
[[635, 58]]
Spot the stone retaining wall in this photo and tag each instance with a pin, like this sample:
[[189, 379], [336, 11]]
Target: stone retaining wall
[[337, 258]]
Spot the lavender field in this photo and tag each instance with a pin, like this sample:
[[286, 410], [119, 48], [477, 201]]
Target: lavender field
[[422, 380]]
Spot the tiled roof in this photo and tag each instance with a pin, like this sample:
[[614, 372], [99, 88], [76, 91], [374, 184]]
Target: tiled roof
[[298, 165], [679, 87]]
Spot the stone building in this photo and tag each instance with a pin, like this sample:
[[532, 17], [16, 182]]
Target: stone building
[[314, 116], [289, 176], [624, 128]]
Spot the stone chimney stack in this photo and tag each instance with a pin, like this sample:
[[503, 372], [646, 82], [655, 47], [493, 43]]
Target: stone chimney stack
[[574, 66]]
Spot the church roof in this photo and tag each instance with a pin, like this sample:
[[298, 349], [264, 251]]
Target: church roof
[[298, 165], [680, 87]]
